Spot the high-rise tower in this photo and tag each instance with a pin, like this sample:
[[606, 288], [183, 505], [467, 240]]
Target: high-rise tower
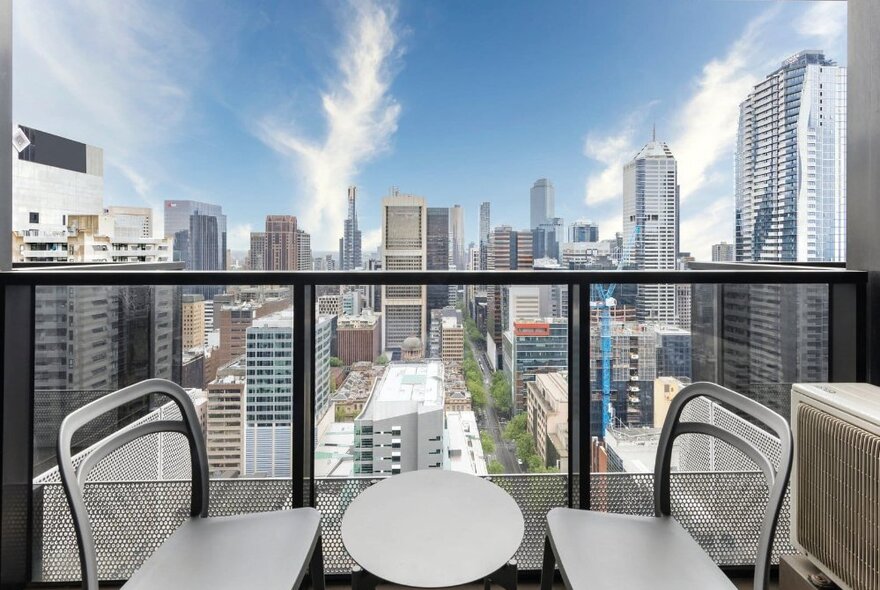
[[485, 228], [543, 202], [456, 237], [510, 250], [350, 256], [583, 231], [404, 247], [199, 234], [281, 251], [790, 164], [438, 254], [650, 217]]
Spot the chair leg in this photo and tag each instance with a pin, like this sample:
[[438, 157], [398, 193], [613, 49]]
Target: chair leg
[[316, 566], [549, 567]]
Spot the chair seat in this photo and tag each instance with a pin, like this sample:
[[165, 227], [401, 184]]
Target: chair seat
[[266, 550], [598, 551]]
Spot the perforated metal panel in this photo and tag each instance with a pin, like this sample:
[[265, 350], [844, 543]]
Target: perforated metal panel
[[704, 453], [131, 519], [162, 456]]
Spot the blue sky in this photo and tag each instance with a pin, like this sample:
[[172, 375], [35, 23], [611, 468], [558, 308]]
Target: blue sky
[[276, 107]]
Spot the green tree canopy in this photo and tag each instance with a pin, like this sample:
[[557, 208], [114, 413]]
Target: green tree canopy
[[515, 427], [495, 467], [500, 392], [488, 443]]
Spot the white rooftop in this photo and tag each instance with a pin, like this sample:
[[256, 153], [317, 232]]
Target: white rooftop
[[450, 322], [333, 454], [465, 447], [279, 319], [637, 448], [405, 385], [229, 379]]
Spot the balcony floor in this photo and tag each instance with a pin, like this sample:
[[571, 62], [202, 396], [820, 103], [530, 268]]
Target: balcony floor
[[742, 584]]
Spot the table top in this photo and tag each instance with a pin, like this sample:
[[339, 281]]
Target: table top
[[432, 528]]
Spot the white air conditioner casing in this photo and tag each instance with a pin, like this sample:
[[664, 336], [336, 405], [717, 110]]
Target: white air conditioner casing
[[835, 480]]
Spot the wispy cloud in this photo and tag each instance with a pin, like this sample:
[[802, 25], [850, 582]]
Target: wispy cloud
[[360, 116], [705, 130], [701, 135], [117, 76], [612, 150], [713, 224], [825, 22]]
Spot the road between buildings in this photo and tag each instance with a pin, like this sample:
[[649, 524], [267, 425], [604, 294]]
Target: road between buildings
[[503, 453]]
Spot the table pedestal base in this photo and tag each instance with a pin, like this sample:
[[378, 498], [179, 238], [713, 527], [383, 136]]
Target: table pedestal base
[[361, 579], [505, 577]]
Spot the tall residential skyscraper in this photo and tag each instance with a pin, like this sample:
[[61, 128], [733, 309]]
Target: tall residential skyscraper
[[583, 231], [456, 237], [257, 253], [485, 229], [281, 253], [199, 233], [303, 250], [350, 256], [650, 217], [790, 205], [404, 247], [543, 202], [438, 254], [723, 252], [790, 164]]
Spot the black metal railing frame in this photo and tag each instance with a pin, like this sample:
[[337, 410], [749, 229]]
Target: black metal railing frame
[[846, 352]]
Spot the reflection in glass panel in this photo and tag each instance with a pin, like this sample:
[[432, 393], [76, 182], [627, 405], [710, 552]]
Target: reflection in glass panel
[[754, 339], [90, 341]]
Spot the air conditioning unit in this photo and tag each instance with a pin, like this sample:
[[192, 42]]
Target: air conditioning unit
[[835, 484]]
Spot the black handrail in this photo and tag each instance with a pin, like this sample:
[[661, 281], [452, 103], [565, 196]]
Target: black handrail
[[112, 275]]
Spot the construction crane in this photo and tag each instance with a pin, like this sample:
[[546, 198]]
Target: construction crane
[[603, 300]]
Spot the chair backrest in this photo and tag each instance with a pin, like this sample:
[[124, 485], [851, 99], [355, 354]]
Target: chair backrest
[[776, 477], [74, 478]]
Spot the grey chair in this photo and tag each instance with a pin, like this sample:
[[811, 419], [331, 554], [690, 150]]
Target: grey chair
[[615, 551], [268, 550]]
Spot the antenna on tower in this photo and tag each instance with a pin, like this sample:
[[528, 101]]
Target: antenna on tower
[[654, 132]]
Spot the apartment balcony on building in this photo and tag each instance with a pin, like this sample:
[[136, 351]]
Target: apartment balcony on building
[[191, 401]]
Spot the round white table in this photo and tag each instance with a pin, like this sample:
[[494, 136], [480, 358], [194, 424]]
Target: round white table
[[432, 529]]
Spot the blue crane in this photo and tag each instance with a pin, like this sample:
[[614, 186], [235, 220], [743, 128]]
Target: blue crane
[[603, 299]]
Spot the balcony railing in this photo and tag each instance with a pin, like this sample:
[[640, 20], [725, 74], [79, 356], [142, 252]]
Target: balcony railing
[[132, 515]]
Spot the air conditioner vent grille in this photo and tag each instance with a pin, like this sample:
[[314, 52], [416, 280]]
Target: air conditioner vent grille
[[838, 482]]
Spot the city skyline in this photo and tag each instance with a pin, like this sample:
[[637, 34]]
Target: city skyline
[[693, 99]]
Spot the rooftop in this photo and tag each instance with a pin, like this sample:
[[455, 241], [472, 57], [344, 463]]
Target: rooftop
[[403, 386], [333, 454], [465, 447], [280, 319], [654, 149]]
